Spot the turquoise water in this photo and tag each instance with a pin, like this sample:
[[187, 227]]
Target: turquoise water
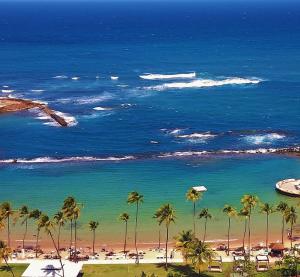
[[103, 188]]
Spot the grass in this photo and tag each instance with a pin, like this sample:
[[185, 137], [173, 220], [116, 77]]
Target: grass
[[134, 270], [17, 268]]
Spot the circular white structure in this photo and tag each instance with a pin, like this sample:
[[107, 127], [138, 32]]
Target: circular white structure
[[290, 187]]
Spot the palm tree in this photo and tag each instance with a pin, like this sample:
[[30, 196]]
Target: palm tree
[[244, 213], [199, 253], [67, 209], [76, 214], [93, 225], [291, 217], [35, 215], [249, 201], [125, 217], [135, 198], [204, 213], [183, 239], [5, 254], [24, 215], [166, 214], [193, 195], [60, 220], [230, 212], [6, 212], [46, 224], [282, 208], [267, 209]]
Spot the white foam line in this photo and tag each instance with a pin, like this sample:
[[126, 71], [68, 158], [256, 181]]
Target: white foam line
[[168, 76], [204, 83], [63, 160]]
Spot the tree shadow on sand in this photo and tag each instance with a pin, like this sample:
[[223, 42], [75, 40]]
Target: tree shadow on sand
[[182, 270]]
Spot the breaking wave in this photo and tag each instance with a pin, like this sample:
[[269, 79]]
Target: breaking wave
[[71, 120], [60, 77], [150, 76], [65, 160], [102, 109], [178, 154], [264, 138], [204, 83]]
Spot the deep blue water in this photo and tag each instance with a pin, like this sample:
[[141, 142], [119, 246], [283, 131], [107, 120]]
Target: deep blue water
[[257, 42], [41, 41]]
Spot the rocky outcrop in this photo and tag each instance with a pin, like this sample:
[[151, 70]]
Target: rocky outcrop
[[8, 105]]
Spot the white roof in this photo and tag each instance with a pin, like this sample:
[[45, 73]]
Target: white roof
[[51, 268], [200, 188], [262, 258]]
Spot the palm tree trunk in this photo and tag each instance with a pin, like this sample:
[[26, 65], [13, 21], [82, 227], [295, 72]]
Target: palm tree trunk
[[291, 235], [228, 235], [75, 238], [267, 235], [58, 237], [167, 247], [71, 239], [94, 241], [205, 230], [58, 254], [159, 238], [282, 230], [194, 214], [25, 233], [249, 232], [125, 239], [244, 235], [37, 242], [9, 267], [135, 233], [8, 231]]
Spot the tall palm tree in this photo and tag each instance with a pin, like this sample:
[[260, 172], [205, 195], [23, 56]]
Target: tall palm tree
[[244, 213], [136, 199], [193, 196], [199, 253], [267, 209], [93, 225], [35, 215], [249, 201], [291, 217], [183, 239], [47, 225], [166, 214], [59, 219], [5, 254], [24, 216], [282, 207], [76, 214], [6, 212], [67, 209], [204, 213], [125, 217], [230, 212]]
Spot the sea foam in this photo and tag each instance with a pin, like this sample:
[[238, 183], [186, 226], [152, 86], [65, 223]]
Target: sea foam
[[201, 83], [264, 139], [150, 76]]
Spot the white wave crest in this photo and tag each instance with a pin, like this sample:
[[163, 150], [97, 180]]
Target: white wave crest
[[67, 159], [60, 77], [37, 90], [197, 136], [7, 90], [204, 83], [150, 76], [102, 109], [75, 78], [114, 78], [264, 139]]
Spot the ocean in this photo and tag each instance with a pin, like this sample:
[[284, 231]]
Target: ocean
[[159, 97]]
